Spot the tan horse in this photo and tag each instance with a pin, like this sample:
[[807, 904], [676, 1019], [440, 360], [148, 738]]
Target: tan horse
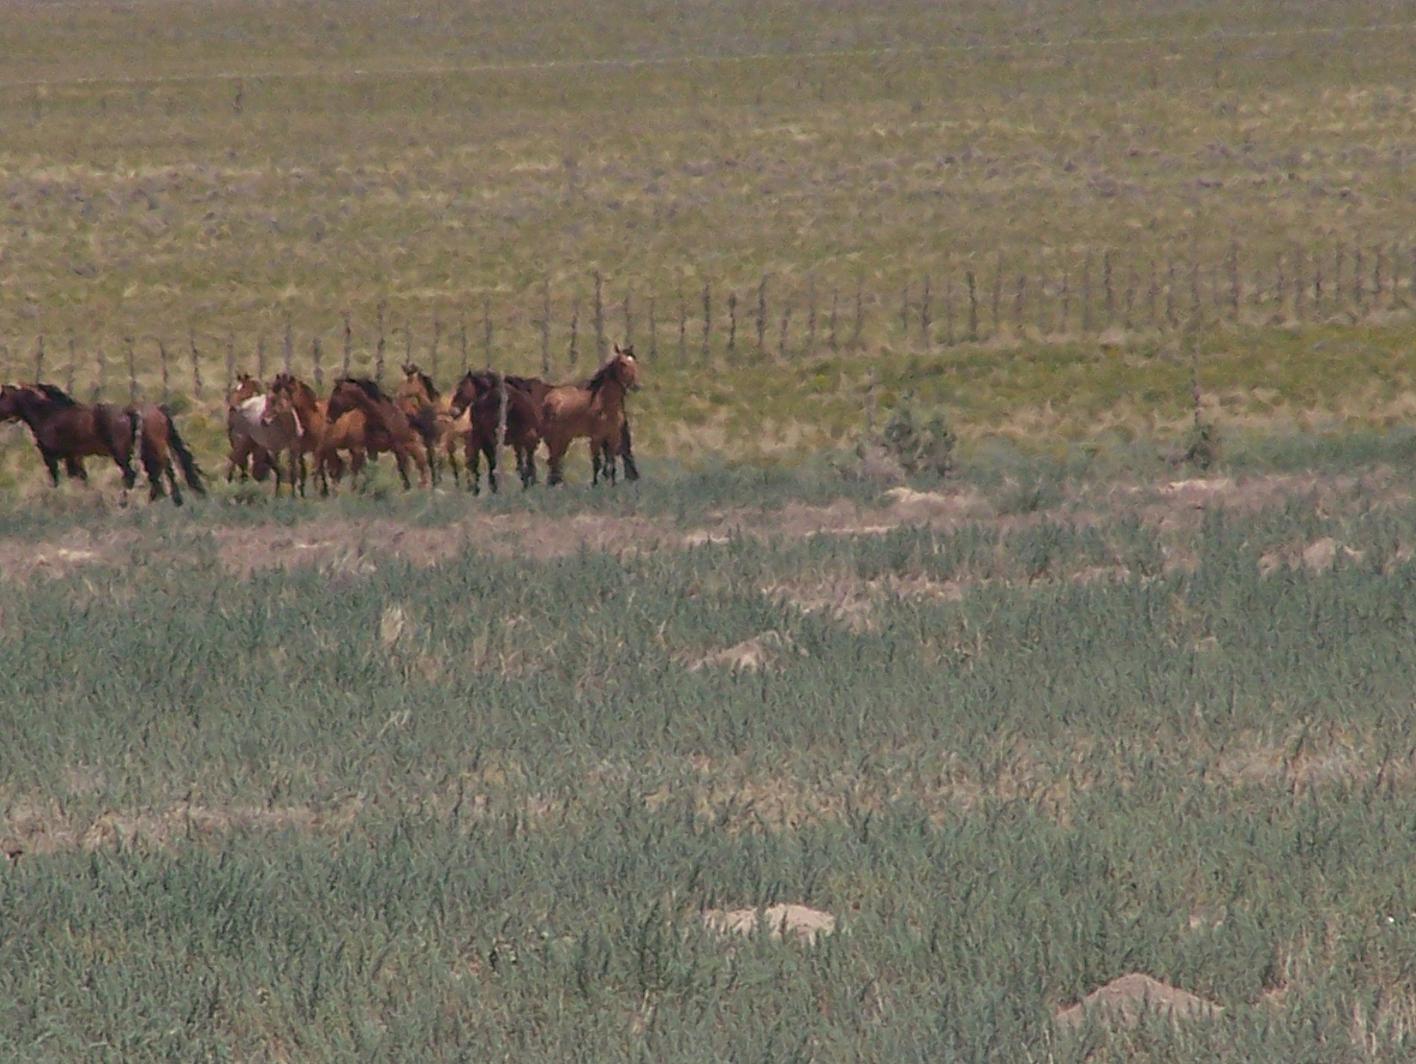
[[384, 428], [245, 456], [488, 399], [431, 413], [594, 410]]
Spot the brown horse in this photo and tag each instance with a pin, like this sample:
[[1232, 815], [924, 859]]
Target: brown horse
[[537, 389], [480, 396], [291, 397], [431, 414], [246, 456], [69, 431], [384, 428], [595, 410]]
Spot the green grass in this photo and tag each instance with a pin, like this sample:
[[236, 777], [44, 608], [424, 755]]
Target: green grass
[[401, 810]]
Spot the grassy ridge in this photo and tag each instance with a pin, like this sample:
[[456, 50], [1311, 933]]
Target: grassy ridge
[[395, 810]]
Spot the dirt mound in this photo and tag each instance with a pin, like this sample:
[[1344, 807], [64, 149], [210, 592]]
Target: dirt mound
[[1317, 557], [803, 923], [1124, 1001], [757, 654]]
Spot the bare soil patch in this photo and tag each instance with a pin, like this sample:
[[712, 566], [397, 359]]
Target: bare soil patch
[[1124, 1001], [779, 921]]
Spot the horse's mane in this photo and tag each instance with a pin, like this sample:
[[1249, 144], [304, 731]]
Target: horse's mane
[[432, 388], [602, 375], [367, 386], [55, 394]]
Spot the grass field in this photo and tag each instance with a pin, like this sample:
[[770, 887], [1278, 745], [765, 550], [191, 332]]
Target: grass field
[[304, 788], [431, 777]]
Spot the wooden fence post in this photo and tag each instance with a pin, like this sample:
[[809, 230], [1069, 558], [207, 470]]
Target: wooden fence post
[[905, 314], [973, 305], [682, 324], [997, 293], [924, 315], [434, 352], [317, 363], [572, 353], [858, 330], [1108, 293], [72, 371], [546, 327], [599, 311], [132, 369], [628, 322], [100, 372], [786, 321], [653, 328], [381, 341], [289, 348], [196, 362], [348, 344], [707, 318], [230, 362], [732, 323], [1235, 294], [762, 316], [39, 358], [1086, 293], [832, 339], [949, 337], [166, 373], [487, 330], [811, 315]]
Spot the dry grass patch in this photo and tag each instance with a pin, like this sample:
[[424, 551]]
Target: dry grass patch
[[1124, 1002]]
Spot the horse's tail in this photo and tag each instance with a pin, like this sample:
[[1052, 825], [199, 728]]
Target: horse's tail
[[191, 472]]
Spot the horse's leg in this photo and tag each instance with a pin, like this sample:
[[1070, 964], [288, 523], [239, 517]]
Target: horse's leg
[[555, 458], [74, 469], [451, 448], [490, 451], [400, 458], [176, 489], [152, 466], [631, 471], [594, 463]]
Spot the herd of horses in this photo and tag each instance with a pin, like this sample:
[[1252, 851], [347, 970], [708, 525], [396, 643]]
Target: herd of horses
[[282, 428]]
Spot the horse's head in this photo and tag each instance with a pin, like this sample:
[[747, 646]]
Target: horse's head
[[469, 389], [10, 400], [247, 387], [342, 399], [276, 403], [626, 367]]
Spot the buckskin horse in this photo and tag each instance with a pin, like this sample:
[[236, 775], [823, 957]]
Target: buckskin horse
[[385, 427], [595, 410]]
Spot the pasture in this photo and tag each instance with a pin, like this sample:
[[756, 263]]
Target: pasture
[[426, 776]]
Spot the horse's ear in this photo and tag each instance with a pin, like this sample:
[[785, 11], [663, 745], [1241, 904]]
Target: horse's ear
[[617, 350]]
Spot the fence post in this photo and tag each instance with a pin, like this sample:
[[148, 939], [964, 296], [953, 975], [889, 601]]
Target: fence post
[[196, 362], [600, 348], [464, 363], [572, 353], [39, 358], [487, 330], [100, 372], [762, 316], [72, 370], [1377, 275], [924, 318], [1128, 297], [973, 305], [653, 327], [905, 314], [707, 317], [348, 344], [317, 361], [628, 322], [381, 343], [997, 293], [786, 321], [162, 363], [1318, 282], [1087, 293], [832, 339], [230, 363], [732, 323], [545, 326], [949, 309], [682, 324], [811, 315], [1298, 285], [132, 369], [289, 349], [1337, 275], [434, 353], [1235, 295], [1020, 297], [1152, 292], [1108, 292], [858, 330]]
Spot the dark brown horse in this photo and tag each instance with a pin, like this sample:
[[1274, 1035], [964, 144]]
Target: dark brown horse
[[480, 395], [290, 396], [68, 431], [386, 428], [595, 410]]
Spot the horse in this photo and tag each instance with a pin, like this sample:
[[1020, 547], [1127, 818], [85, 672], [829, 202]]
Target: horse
[[69, 431], [595, 410], [538, 389], [290, 396], [275, 430], [159, 441], [385, 427], [246, 456], [430, 413], [480, 395]]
